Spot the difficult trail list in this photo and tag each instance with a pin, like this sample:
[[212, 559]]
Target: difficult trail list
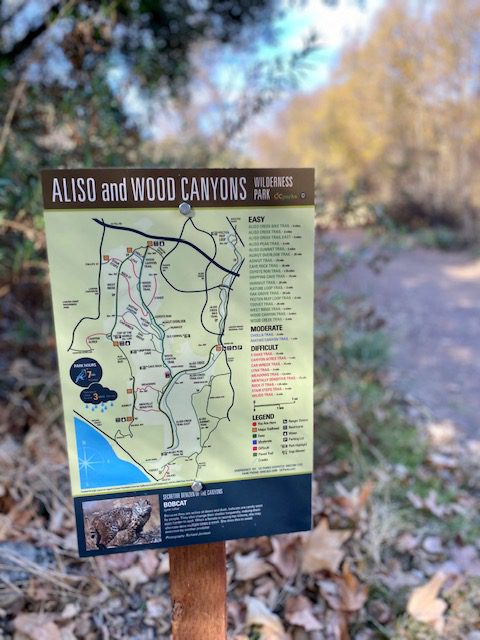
[[185, 349]]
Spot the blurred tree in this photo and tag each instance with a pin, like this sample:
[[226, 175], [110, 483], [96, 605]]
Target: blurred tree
[[57, 68], [81, 80], [154, 37], [71, 73], [399, 119]]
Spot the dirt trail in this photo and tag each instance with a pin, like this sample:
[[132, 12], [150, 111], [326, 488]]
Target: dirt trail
[[430, 301]]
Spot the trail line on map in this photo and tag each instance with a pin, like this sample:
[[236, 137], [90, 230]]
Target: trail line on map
[[236, 232], [168, 238], [99, 294], [166, 255], [206, 288], [162, 338]]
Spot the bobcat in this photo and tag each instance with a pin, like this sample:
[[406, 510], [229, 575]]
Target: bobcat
[[117, 527]]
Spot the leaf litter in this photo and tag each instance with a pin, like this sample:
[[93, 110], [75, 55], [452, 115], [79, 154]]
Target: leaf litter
[[360, 573]]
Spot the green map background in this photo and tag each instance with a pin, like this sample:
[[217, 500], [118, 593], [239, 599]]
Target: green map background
[[73, 249]]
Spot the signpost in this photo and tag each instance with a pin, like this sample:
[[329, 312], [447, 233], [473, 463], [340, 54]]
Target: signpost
[[183, 305], [198, 585]]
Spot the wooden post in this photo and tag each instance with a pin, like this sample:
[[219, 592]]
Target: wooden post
[[198, 585]]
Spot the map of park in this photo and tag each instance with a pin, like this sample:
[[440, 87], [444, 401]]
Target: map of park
[[161, 308]]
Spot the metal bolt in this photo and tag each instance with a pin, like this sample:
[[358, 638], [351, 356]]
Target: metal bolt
[[185, 208], [197, 486]]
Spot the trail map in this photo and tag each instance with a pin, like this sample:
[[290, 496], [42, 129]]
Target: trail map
[[162, 308], [184, 341]]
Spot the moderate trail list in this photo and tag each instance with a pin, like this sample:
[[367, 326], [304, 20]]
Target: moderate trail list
[[185, 351]]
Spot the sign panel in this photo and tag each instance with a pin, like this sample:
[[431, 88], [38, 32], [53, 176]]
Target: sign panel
[[185, 348]]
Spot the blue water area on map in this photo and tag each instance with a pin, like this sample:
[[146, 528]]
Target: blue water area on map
[[98, 464]]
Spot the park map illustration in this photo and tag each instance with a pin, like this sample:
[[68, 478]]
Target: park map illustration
[[162, 301]]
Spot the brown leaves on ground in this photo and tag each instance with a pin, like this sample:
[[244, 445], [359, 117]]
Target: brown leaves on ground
[[270, 624], [285, 555], [250, 566], [37, 626], [296, 560], [353, 502], [344, 592], [425, 606], [312, 585], [322, 550], [430, 503], [299, 612]]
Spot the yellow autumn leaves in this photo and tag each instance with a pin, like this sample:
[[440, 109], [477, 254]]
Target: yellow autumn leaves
[[424, 604], [321, 554], [399, 119], [322, 550]]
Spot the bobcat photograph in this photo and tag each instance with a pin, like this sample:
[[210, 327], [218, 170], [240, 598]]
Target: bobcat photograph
[[121, 522]]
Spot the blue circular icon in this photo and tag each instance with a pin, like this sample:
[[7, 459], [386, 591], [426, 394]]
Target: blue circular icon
[[85, 371]]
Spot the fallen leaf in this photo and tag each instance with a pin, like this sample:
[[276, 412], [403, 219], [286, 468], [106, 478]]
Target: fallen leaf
[[464, 505], [21, 516], [37, 626], [415, 500], [425, 606], [266, 590], [395, 578], [329, 591], [336, 626], [366, 634], [149, 562], [285, 555], [164, 566], [344, 592], [67, 632], [464, 560], [432, 505], [317, 499], [70, 611], [433, 545], [115, 562], [235, 616], [353, 594], [429, 504], [441, 433], [473, 448], [322, 550], [271, 625], [380, 611], [298, 611], [352, 502], [442, 461], [250, 566], [157, 607], [406, 542], [134, 576]]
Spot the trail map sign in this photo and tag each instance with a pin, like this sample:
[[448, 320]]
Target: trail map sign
[[184, 339]]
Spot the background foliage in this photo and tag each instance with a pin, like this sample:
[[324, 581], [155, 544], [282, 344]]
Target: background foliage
[[399, 121]]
